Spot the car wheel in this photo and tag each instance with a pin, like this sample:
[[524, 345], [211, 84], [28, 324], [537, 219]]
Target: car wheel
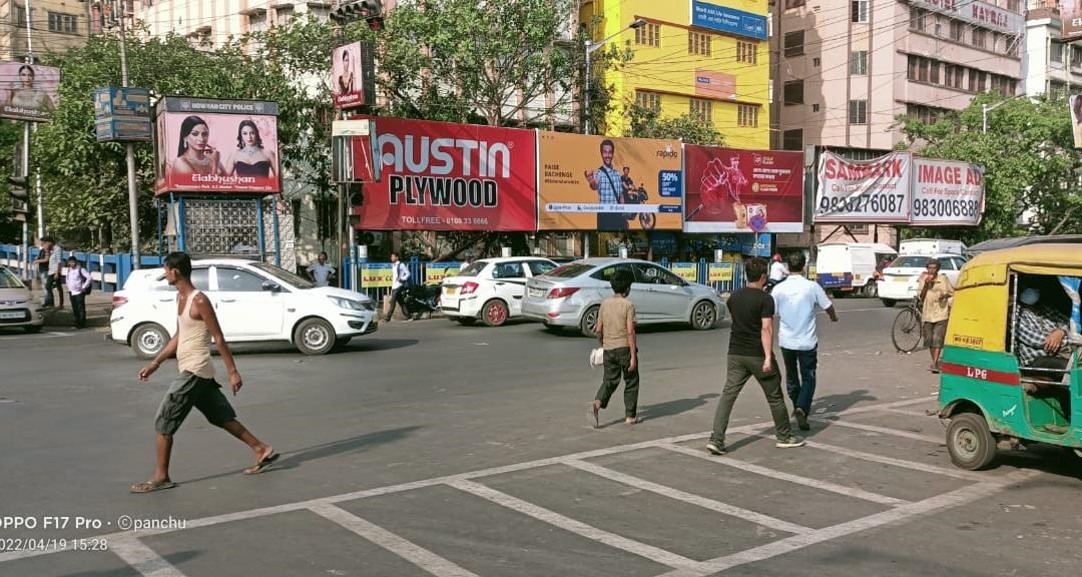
[[148, 340], [466, 321], [889, 303], [588, 322], [314, 337], [871, 290], [33, 328], [704, 316], [494, 313]]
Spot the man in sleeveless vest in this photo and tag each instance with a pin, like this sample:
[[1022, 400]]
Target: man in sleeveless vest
[[195, 386]]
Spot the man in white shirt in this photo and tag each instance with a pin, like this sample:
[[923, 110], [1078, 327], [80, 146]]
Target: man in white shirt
[[400, 276], [796, 300], [778, 272], [321, 272]]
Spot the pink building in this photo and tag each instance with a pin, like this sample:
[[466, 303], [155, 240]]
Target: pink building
[[845, 70]]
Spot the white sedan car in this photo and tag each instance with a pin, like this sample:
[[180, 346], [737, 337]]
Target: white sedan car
[[17, 307], [899, 280], [490, 289], [254, 301]]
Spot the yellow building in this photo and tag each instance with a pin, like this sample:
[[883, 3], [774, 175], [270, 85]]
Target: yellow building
[[703, 57]]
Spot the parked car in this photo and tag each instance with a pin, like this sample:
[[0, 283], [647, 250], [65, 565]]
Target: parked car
[[255, 302], [490, 289], [17, 307], [900, 278], [570, 295]]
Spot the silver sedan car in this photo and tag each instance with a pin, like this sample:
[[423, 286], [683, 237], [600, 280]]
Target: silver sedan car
[[570, 295]]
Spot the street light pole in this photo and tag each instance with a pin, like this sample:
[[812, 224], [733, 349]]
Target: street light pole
[[133, 182], [590, 48], [985, 109], [26, 146]]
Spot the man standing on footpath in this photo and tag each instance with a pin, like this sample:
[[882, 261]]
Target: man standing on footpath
[[616, 333], [321, 272], [751, 354], [195, 386], [400, 277], [934, 289], [796, 300], [79, 282]]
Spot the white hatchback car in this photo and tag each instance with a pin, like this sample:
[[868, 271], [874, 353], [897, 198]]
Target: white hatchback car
[[254, 301], [17, 307], [491, 289], [899, 281]]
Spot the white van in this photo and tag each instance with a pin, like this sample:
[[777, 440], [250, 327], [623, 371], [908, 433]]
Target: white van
[[851, 266], [930, 247]]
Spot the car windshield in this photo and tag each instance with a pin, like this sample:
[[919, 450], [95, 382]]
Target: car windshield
[[473, 269], [569, 270], [9, 281], [284, 275], [910, 262]]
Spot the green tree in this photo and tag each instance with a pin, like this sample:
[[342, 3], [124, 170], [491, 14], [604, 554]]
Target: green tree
[[688, 128], [1029, 160]]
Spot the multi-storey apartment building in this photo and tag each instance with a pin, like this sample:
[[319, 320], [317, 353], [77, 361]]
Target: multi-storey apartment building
[[1053, 55], [55, 26]]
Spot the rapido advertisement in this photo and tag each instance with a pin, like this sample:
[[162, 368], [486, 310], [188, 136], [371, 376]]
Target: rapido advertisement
[[609, 184]]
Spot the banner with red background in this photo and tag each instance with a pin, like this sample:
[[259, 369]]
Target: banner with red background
[[443, 176], [732, 190]]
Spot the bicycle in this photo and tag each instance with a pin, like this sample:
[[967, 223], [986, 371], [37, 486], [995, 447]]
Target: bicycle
[[907, 332]]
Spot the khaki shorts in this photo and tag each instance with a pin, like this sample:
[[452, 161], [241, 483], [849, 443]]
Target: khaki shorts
[[935, 334], [189, 391]]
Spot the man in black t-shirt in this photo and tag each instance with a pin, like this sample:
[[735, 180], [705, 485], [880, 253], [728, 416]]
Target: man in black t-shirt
[[751, 354]]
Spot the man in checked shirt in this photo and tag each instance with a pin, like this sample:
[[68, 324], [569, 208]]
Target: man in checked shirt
[[608, 183], [1042, 332]]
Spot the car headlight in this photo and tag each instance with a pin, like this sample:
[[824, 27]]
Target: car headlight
[[351, 304]]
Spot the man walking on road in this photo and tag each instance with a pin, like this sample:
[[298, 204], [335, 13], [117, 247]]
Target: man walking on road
[[195, 386], [400, 277], [751, 354], [616, 333], [934, 288], [796, 300]]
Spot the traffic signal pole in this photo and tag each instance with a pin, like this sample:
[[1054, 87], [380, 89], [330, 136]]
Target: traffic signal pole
[[133, 182], [26, 145]]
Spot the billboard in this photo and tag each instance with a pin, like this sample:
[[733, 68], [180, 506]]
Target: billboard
[[1076, 119], [592, 182], [216, 146], [731, 190], [714, 84], [977, 13], [947, 193], [728, 20], [1070, 15], [28, 91], [444, 176], [122, 114], [352, 76], [864, 191]]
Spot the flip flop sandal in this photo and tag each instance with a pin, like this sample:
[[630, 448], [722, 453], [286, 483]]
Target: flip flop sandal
[[262, 465], [151, 486], [592, 416]]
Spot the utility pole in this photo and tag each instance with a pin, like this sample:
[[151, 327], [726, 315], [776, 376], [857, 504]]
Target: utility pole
[[133, 182], [26, 148]]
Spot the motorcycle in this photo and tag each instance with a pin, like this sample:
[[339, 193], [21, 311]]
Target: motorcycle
[[770, 284], [421, 299]]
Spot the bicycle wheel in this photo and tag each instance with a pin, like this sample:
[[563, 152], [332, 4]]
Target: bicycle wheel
[[906, 332]]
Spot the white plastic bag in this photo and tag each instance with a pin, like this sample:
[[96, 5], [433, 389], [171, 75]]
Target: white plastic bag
[[597, 357]]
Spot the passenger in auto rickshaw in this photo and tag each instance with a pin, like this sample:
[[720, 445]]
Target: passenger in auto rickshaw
[[1042, 330]]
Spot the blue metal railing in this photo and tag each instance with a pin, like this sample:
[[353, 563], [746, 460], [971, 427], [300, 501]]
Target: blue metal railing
[[109, 271]]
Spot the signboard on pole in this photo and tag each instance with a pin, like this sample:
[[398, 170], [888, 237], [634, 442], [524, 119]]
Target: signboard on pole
[[947, 193], [28, 91], [122, 114], [864, 191], [444, 176], [732, 190], [609, 184], [216, 146], [1076, 119], [353, 76], [728, 20]]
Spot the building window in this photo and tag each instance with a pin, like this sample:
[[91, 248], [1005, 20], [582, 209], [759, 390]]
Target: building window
[[817, 62], [793, 4], [321, 13], [978, 81], [958, 30], [649, 35], [702, 109], [20, 16], [792, 140], [794, 43], [63, 23], [747, 116], [257, 21], [858, 63], [1011, 45], [858, 11], [980, 38], [282, 15], [794, 92], [1076, 56], [747, 52], [933, 72], [938, 25], [815, 107], [648, 100], [1056, 52], [918, 19], [698, 43], [919, 69], [858, 112], [1014, 5]]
